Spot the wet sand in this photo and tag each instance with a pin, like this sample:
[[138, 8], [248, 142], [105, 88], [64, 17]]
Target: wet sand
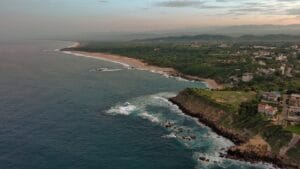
[[140, 65]]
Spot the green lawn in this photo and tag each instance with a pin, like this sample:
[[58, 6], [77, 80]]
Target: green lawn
[[228, 98], [294, 129]]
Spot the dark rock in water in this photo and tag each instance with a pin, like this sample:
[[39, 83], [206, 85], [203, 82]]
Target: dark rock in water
[[222, 155], [204, 159], [248, 155], [99, 69], [178, 130], [193, 137], [188, 138], [169, 124]]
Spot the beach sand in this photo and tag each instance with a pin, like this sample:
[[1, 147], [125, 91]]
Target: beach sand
[[140, 65]]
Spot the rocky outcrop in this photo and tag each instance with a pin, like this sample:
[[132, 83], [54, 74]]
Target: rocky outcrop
[[236, 152], [248, 149], [208, 115]]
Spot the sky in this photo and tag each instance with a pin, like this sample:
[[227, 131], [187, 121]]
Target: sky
[[48, 17]]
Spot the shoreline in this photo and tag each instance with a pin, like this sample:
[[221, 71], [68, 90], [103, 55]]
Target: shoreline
[[245, 148], [236, 138], [140, 65]]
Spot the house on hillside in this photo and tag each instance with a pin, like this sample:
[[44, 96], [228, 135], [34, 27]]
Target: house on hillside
[[271, 96], [281, 58], [294, 107], [247, 77], [267, 109]]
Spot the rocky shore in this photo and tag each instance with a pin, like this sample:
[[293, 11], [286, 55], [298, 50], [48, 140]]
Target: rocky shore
[[245, 149]]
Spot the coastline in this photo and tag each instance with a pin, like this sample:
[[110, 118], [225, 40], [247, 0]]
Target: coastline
[[140, 65], [249, 149], [234, 152]]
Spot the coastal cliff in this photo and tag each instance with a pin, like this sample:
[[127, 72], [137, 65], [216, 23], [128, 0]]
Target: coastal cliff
[[251, 145]]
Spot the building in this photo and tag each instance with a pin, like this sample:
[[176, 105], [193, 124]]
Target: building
[[295, 47], [267, 109], [294, 100], [282, 69], [261, 54], [247, 77], [289, 72], [268, 71], [281, 58], [271, 96], [294, 110], [294, 106], [223, 45], [262, 63]]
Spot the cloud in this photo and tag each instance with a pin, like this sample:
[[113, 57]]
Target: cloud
[[180, 3], [256, 8], [294, 11]]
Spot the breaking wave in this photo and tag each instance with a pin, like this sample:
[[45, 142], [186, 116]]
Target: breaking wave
[[208, 147], [126, 109], [104, 69], [98, 58], [149, 117]]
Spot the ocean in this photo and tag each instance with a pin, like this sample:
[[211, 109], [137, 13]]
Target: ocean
[[60, 111]]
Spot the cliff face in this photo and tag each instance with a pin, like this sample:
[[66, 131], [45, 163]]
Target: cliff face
[[207, 114], [247, 147]]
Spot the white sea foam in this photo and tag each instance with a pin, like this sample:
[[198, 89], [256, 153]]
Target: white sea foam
[[75, 44], [149, 117], [184, 80], [182, 127], [171, 135], [122, 110], [98, 58], [211, 158], [111, 70], [163, 101], [104, 70]]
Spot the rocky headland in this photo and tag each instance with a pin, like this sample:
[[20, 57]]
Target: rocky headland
[[248, 148]]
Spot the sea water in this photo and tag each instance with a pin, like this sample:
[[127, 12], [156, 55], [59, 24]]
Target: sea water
[[60, 111]]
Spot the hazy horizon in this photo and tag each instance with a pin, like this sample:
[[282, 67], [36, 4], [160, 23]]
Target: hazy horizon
[[59, 18]]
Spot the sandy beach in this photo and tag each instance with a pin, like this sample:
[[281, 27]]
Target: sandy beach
[[140, 65]]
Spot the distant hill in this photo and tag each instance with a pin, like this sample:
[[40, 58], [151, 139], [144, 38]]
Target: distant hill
[[239, 30], [224, 38], [230, 31], [203, 37], [274, 37]]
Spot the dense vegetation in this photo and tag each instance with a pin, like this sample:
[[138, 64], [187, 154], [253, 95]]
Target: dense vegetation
[[242, 115], [209, 60], [294, 128], [294, 152], [204, 61]]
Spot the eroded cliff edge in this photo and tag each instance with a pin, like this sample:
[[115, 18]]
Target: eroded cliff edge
[[256, 139]]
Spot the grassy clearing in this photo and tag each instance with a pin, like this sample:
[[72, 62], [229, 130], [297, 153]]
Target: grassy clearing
[[231, 99], [294, 129]]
